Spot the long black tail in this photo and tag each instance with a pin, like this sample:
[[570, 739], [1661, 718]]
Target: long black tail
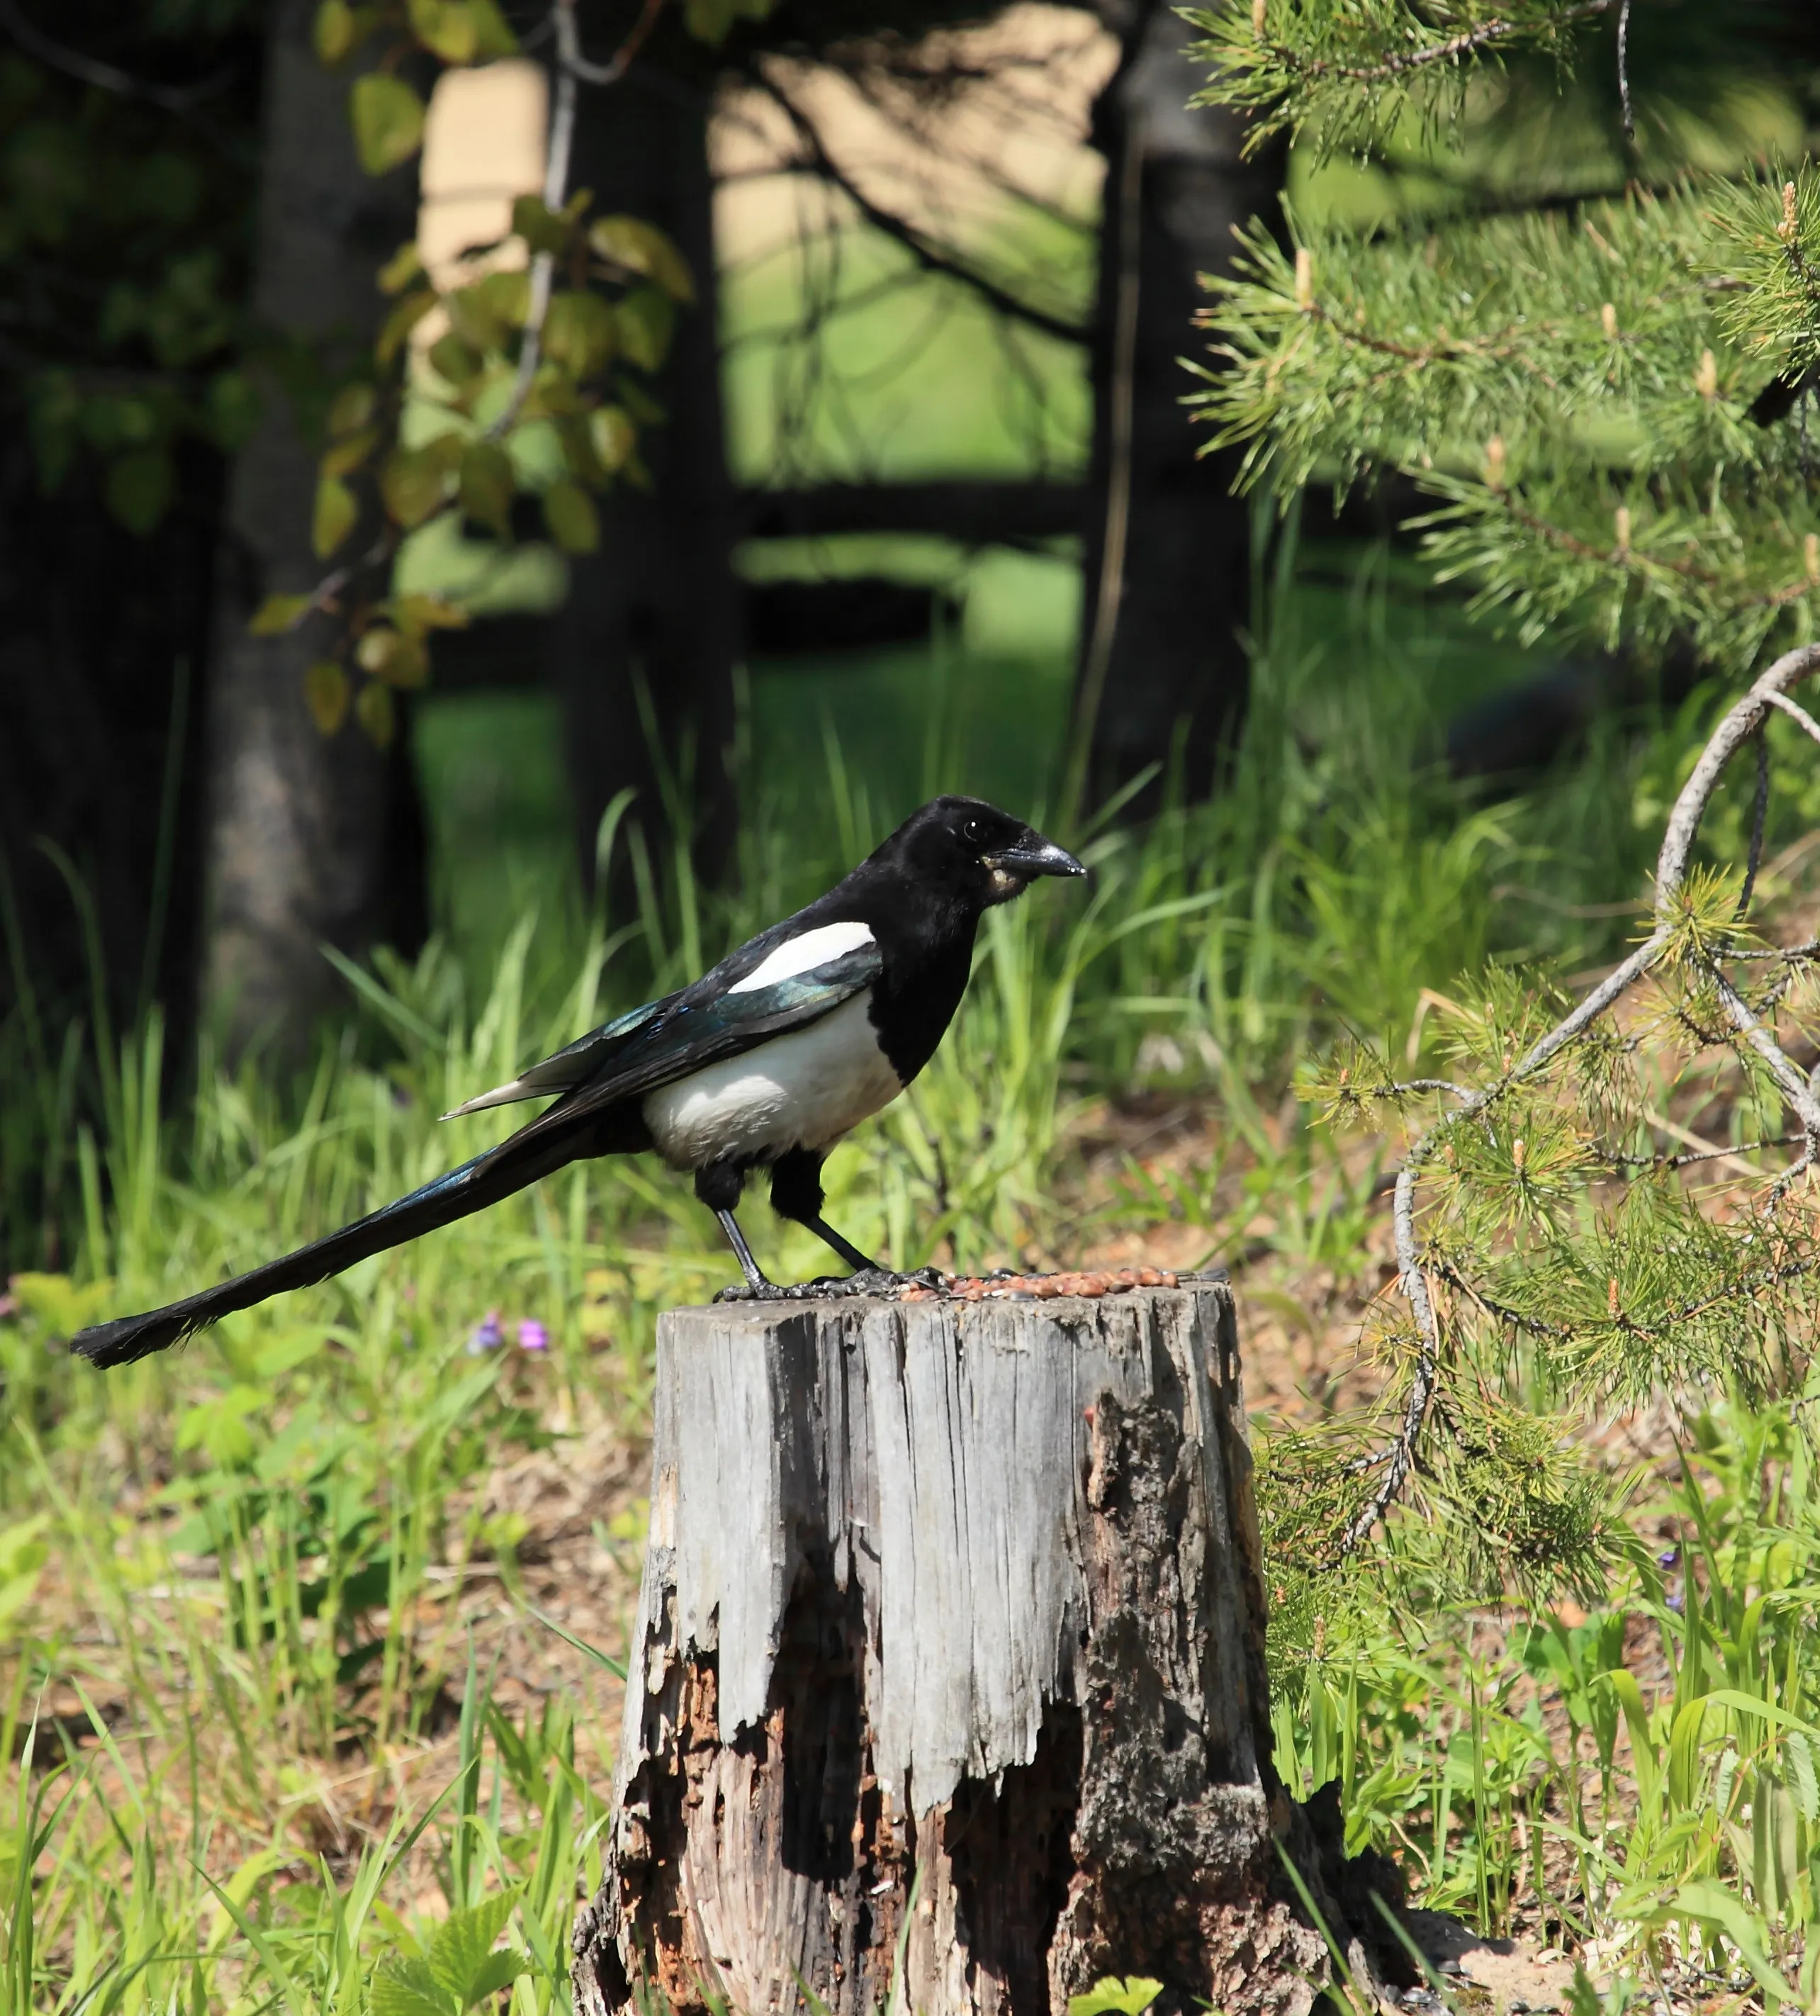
[[472, 1187]]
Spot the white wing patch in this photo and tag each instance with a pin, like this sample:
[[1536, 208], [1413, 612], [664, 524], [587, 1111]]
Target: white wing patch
[[817, 948]]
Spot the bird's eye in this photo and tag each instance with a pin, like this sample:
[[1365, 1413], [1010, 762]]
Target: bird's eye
[[973, 832]]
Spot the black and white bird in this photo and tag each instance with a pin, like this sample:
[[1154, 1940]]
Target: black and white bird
[[765, 1062]]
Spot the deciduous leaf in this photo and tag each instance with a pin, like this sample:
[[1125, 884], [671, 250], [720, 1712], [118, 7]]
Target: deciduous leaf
[[578, 332], [447, 28], [376, 715], [708, 20], [351, 408], [401, 268], [646, 318], [394, 656], [460, 1954], [277, 613], [486, 485], [336, 509], [399, 324], [411, 481], [456, 361], [542, 229], [1111, 1996], [493, 36], [342, 457], [138, 488], [614, 436], [569, 514], [405, 1987], [326, 688], [334, 31], [635, 247], [388, 120], [417, 614]]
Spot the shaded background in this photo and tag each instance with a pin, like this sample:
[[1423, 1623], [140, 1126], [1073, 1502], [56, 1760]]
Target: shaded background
[[873, 560]]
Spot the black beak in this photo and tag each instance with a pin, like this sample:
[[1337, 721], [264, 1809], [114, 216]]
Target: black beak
[[1034, 856]]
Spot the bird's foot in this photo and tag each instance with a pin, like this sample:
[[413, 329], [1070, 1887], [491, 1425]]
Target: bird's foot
[[868, 1281]]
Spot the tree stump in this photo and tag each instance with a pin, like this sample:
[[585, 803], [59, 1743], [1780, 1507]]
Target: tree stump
[[947, 1692]]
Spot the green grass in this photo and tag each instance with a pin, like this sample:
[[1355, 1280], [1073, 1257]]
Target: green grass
[[285, 1557]]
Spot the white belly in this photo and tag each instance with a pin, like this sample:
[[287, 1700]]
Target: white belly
[[803, 1090]]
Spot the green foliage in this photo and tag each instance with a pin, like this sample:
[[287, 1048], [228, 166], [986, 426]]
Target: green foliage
[[1578, 389], [526, 387], [1347, 75], [1114, 1997]]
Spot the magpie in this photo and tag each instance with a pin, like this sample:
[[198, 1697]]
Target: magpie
[[764, 1063]]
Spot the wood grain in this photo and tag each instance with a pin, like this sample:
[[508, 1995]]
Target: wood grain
[[948, 1688]]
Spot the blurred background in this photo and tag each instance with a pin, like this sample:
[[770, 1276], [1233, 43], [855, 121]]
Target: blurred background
[[925, 510]]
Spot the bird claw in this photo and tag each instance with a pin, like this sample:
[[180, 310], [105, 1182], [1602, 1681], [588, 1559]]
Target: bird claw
[[873, 1281]]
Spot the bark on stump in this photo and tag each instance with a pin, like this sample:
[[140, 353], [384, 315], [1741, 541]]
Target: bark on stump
[[947, 1690]]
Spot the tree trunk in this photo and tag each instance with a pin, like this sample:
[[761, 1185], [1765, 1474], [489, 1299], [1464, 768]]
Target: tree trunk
[[310, 840], [947, 1690], [1164, 673], [645, 645]]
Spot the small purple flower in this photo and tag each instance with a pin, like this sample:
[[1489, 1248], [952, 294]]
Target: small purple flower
[[486, 1335], [532, 1336], [1667, 1558], [1677, 1603]]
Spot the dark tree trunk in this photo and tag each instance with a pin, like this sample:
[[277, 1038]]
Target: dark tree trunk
[[311, 839], [947, 1692], [103, 638], [1163, 672], [644, 647]]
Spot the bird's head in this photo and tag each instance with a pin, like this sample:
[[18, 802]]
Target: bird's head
[[973, 852]]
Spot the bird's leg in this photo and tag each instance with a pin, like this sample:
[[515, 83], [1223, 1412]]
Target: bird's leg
[[718, 1186], [755, 1274], [795, 1193]]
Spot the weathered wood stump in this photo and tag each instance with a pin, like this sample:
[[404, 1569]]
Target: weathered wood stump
[[947, 1691]]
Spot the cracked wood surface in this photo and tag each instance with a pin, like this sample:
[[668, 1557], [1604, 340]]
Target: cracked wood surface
[[947, 1687]]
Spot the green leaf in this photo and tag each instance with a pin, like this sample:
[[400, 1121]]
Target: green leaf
[[1111, 1996], [401, 268], [497, 1971], [376, 715], [493, 38], [335, 30], [399, 324], [635, 247], [388, 120], [486, 485], [646, 317], [415, 614], [326, 691], [447, 28], [456, 361], [138, 488], [578, 332], [708, 20], [411, 481], [460, 1953], [397, 658], [542, 229], [335, 511], [346, 455], [351, 408], [614, 436], [277, 613], [1715, 1906], [403, 1987], [569, 514]]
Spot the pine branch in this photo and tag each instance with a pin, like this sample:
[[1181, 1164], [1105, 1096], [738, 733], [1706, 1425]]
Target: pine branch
[[1345, 76]]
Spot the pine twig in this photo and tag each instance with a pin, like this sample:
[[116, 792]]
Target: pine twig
[[1397, 1459]]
